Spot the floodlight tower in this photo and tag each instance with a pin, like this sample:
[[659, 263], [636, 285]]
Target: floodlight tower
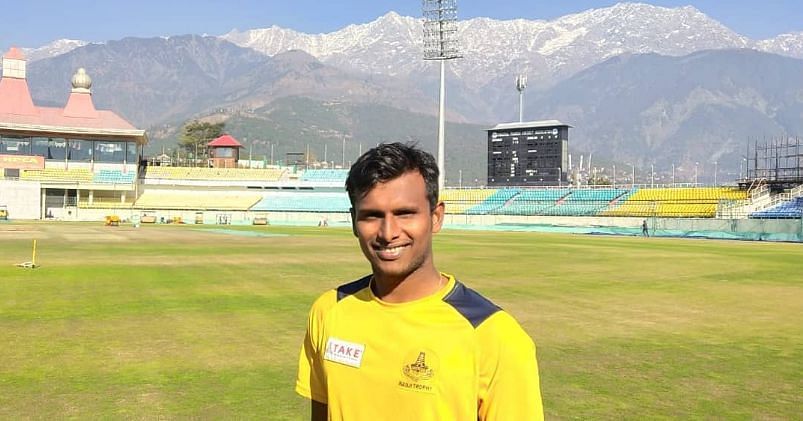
[[521, 84], [440, 43]]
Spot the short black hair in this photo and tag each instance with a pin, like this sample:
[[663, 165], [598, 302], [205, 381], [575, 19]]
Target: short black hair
[[388, 161]]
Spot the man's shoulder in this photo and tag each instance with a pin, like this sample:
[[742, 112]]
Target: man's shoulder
[[492, 324], [353, 287], [475, 308], [332, 297]]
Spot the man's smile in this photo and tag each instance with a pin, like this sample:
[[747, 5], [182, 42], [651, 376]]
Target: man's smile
[[389, 252]]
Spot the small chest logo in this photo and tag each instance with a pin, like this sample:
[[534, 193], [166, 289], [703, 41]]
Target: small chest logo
[[420, 371], [344, 352]]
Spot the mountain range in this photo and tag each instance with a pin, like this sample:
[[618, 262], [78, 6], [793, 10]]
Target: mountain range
[[638, 82], [652, 109], [157, 80]]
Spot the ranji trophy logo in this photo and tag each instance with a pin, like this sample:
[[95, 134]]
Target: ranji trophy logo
[[418, 370]]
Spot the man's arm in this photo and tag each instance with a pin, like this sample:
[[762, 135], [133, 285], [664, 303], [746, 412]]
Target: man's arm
[[509, 381], [319, 411], [311, 380]]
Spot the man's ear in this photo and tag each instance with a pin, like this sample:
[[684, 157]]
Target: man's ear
[[353, 221], [437, 216]]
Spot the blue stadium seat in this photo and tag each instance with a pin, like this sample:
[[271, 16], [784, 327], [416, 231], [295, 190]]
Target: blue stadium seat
[[333, 175], [494, 202], [792, 209], [304, 202], [532, 202], [113, 177]]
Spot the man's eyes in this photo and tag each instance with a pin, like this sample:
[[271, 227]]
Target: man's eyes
[[399, 214]]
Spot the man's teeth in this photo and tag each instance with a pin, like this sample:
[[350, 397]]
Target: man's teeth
[[390, 249]]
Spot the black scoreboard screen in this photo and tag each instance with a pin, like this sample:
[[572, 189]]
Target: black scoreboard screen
[[527, 156]]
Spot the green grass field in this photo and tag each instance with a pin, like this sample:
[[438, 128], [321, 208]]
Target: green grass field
[[187, 321]]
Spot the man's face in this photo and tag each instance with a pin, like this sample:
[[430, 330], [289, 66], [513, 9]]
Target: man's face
[[394, 225]]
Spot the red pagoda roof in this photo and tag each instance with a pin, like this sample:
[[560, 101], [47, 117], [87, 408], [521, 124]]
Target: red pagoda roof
[[225, 140]]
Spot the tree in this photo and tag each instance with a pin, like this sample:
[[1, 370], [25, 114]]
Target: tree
[[196, 134], [599, 180]]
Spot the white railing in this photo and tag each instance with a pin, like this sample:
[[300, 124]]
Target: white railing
[[780, 198], [760, 192], [760, 199], [734, 209]]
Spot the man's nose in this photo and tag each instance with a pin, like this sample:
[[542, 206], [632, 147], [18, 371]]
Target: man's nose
[[389, 229]]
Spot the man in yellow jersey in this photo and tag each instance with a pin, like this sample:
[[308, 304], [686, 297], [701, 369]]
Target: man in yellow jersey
[[409, 342]]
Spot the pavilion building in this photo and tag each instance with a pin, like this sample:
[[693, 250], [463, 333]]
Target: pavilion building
[[54, 159]]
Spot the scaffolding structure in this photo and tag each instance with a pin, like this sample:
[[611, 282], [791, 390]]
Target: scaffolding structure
[[775, 161]]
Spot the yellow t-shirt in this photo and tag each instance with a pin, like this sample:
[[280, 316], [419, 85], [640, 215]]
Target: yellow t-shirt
[[453, 355]]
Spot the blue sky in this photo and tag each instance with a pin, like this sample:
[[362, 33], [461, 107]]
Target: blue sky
[[32, 23]]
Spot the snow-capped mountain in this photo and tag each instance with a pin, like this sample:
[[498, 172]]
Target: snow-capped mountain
[[390, 45], [785, 44], [494, 49], [55, 48]]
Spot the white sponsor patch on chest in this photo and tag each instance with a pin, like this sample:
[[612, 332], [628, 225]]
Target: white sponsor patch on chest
[[344, 352]]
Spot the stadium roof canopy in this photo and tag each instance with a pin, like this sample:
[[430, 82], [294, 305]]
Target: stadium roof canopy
[[19, 115], [528, 125]]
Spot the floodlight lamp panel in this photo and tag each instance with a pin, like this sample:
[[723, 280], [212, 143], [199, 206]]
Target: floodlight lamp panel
[[440, 29], [521, 82]]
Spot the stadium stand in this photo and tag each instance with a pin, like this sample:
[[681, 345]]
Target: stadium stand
[[584, 202], [682, 202], [698, 194], [203, 173], [196, 200], [105, 200], [493, 202], [785, 210], [304, 202], [113, 177], [458, 201], [81, 175], [532, 202], [325, 175], [595, 195]]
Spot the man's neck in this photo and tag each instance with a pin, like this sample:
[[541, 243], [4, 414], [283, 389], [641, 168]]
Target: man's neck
[[416, 286]]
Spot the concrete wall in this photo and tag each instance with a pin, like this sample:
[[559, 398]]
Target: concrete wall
[[770, 226], [22, 198], [571, 221], [209, 217]]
